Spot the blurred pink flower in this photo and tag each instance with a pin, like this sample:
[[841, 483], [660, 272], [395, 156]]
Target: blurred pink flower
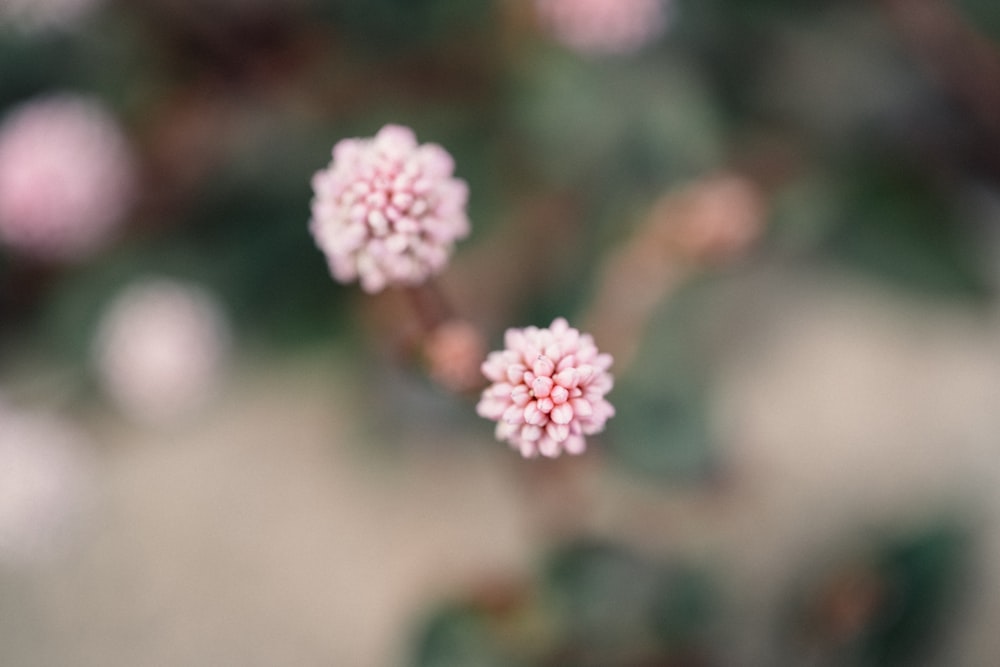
[[604, 26], [454, 351], [160, 350], [715, 220], [40, 15], [548, 390], [45, 483], [66, 177], [387, 210]]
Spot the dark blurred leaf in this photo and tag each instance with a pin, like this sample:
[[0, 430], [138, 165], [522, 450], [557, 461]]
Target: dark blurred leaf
[[660, 427], [604, 594], [923, 573], [458, 637], [266, 262], [391, 25], [31, 67], [660, 434], [684, 608], [984, 15], [900, 227], [654, 122]]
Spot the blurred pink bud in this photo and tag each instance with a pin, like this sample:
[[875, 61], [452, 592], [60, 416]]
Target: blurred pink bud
[[160, 350], [549, 409], [599, 27], [387, 210], [454, 351], [716, 220], [46, 481], [66, 178]]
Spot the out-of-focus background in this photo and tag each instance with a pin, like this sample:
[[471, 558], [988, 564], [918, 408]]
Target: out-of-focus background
[[782, 218]]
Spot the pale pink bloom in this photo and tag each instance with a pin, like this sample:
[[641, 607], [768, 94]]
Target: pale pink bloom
[[160, 350], [603, 26], [454, 351], [45, 482], [387, 210], [548, 390], [66, 177], [42, 15]]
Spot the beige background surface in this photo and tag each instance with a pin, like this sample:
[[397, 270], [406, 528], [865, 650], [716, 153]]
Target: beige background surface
[[271, 533]]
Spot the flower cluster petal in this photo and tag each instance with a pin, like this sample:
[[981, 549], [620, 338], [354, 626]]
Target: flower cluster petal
[[547, 391], [387, 209]]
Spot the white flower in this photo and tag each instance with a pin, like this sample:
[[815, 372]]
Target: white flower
[[46, 481], [160, 350]]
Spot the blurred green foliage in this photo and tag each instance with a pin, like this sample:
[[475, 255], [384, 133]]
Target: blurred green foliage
[[594, 604], [886, 601]]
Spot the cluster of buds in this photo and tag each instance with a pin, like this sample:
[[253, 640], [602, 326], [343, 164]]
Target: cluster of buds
[[387, 211], [547, 390]]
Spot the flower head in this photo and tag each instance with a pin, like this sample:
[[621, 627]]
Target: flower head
[[66, 177], [387, 210], [160, 350], [603, 26], [548, 390]]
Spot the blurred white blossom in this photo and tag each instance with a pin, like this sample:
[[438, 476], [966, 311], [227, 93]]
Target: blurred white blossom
[[46, 481], [42, 15], [66, 177], [160, 350]]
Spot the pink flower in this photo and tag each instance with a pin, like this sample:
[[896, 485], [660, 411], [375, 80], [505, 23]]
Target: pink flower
[[387, 210], [66, 178], [548, 390], [603, 26]]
